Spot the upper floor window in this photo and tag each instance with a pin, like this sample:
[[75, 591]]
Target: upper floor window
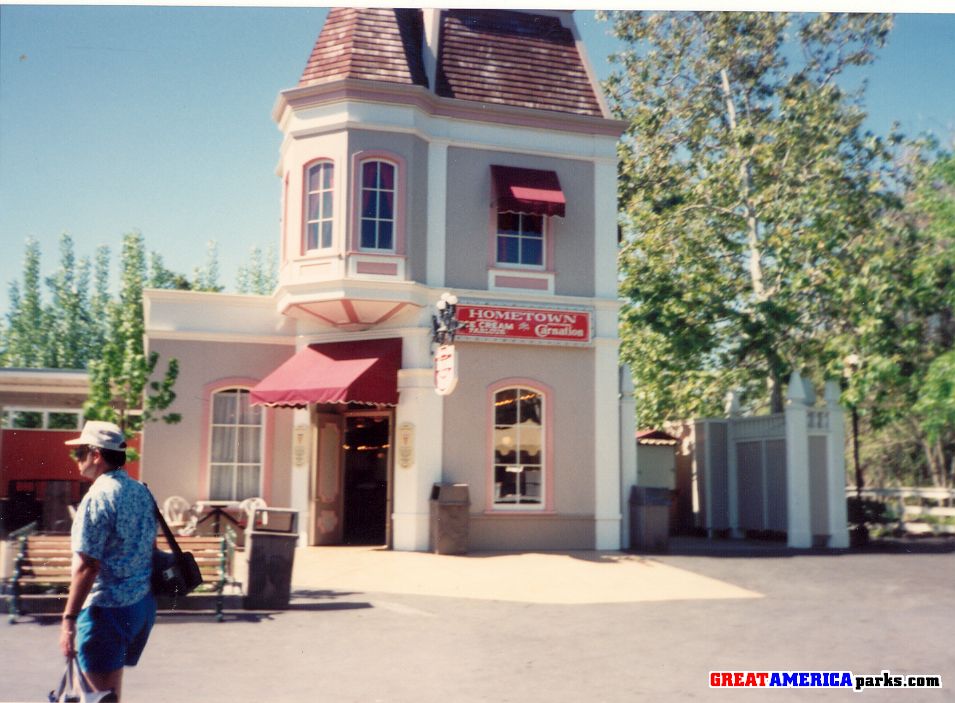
[[378, 198], [519, 448], [236, 446], [319, 210], [520, 239]]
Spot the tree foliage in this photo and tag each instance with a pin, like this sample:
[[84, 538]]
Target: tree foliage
[[120, 372], [745, 177], [898, 319], [258, 276]]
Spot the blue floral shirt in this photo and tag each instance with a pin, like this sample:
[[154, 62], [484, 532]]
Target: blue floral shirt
[[116, 525]]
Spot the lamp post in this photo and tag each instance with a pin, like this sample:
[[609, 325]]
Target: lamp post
[[444, 324]]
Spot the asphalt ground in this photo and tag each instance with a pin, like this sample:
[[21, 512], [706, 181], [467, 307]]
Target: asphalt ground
[[342, 641]]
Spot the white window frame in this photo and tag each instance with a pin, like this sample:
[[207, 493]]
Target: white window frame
[[541, 465], [520, 236], [235, 464], [322, 217], [7, 421], [394, 219]]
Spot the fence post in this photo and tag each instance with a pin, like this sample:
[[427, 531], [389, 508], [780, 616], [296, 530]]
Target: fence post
[[628, 451], [732, 465], [798, 515], [836, 463]]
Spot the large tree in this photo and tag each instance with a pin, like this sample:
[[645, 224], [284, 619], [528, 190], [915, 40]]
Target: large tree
[[745, 176], [25, 339], [121, 389]]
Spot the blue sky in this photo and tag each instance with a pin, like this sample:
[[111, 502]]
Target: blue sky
[[115, 118]]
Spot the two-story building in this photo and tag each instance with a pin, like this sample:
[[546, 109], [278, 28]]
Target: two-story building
[[424, 152]]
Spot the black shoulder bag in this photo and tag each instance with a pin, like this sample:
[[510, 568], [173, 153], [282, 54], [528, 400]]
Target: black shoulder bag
[[175, 573]]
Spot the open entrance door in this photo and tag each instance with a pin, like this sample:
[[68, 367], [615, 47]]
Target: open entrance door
[[326, 499], [367, 478]]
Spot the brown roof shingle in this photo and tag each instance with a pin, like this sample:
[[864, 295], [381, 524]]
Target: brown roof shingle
[[491, 56], [370, 44], [513, 58]]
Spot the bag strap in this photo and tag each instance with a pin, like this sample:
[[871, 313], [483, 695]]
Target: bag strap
[[170, 538]]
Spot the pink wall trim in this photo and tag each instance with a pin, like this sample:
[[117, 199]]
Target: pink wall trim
[[268, 420], [521, 282], [401, 199], [303, 234], [548, 427], [284, 227], [378, 268]]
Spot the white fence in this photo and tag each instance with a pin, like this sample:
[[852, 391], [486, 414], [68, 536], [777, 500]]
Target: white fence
[[780, 473]]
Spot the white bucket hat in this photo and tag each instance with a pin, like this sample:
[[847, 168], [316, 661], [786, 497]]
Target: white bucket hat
[[104, 435]]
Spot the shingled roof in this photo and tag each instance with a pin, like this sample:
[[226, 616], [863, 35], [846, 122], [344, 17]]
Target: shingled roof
[[487, 56], [513, 58], [370, 44]]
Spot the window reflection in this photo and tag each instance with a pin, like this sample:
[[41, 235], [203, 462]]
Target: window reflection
[[518, 447]]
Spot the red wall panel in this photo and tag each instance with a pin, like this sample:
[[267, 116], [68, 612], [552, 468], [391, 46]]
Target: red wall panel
[[41, 454]]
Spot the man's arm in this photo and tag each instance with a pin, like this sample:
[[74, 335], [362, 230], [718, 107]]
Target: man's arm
[[85, 569]]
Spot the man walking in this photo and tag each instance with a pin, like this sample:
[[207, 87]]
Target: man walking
[[110, 609]]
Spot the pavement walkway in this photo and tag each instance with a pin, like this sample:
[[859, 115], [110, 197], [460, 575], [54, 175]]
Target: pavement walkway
[[568, 578]]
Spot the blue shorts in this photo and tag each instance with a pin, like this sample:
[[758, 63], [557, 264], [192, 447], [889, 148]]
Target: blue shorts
[[108, 639]]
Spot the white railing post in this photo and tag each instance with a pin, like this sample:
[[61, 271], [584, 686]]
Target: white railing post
[[836, 464], [628, 451], [798, 515], [732, 464]]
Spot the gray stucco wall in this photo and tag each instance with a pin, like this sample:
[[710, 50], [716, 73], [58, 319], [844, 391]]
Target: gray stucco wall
[[470, 218], [569, 374], [172, 454]]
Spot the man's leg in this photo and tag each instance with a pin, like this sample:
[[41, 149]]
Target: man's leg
[[106, 681]]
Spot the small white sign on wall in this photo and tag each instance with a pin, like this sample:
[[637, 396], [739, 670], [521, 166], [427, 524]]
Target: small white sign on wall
[[300, 446], [405, 438]]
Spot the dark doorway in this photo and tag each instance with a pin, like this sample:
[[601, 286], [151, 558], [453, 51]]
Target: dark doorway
[[367, 447]]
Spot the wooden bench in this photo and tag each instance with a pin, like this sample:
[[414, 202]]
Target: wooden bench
[[43, 565]]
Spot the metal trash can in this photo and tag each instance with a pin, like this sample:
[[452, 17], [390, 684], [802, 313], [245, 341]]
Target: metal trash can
[[649, 518], [450, 518], [270, 540]]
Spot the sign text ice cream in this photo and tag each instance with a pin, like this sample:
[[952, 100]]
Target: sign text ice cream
[[507, 324]]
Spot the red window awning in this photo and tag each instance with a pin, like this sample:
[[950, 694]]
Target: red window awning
[[528, 191], [336, 372]]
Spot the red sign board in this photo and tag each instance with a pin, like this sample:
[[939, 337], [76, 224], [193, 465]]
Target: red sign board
[[543, 325]]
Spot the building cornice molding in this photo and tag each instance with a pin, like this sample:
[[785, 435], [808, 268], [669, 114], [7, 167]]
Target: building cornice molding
[[351, 89], [54, 381], [222, 337]]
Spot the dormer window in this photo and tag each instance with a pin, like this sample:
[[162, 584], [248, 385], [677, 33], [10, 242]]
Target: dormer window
[[319, 210], [378, 197]]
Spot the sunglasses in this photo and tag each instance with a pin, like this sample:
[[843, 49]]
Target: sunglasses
[[80, 453]]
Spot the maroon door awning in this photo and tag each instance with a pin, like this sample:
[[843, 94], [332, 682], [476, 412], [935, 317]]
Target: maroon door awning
[[336, 372], [528, 191]]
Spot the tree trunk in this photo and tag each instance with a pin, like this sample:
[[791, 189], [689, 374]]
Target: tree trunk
[[746, 188]]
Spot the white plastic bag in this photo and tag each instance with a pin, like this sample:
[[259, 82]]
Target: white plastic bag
[[75, 688]]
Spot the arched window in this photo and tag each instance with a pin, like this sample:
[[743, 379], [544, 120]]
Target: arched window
[[319, 210], [519, 448], [377, 215], [235, 447]]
